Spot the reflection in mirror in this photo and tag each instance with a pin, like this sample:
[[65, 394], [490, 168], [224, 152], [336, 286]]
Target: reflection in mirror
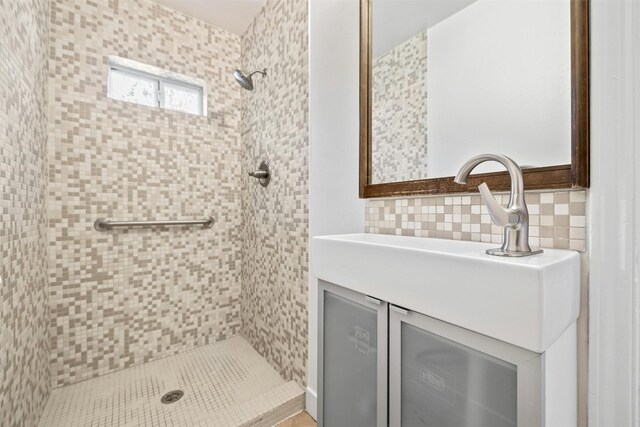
[[451, 79]]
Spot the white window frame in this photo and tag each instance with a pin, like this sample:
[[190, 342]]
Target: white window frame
[[161, 77]]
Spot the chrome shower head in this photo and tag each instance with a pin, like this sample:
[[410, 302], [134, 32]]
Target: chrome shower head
[[246, 81]]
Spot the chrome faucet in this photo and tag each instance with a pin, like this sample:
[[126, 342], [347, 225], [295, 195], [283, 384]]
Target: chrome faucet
[[515, 217]]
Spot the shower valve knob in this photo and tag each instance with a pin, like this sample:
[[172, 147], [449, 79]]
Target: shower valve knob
[[259, 174], [262, 174]]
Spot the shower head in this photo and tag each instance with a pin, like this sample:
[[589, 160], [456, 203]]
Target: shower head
[[246, 81]]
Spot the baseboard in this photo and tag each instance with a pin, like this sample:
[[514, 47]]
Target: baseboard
[[312, 403]]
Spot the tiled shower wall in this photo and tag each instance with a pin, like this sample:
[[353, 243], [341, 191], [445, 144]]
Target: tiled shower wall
[[24, 315], [556, 219], [123, 297], [275, 229], [399, 93]]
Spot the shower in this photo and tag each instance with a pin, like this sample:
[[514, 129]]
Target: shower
[[246, 81]]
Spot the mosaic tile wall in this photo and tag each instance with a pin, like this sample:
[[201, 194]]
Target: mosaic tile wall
[[124, 297], [24, 314], [399, 112], [275, 229], [557, 219]]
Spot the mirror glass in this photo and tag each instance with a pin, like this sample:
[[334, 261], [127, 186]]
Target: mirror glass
[[451, 79]]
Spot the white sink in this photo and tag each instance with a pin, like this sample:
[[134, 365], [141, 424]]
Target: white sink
[[526, 301]]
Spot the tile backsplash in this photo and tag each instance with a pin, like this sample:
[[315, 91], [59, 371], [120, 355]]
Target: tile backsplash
[[556, 219]]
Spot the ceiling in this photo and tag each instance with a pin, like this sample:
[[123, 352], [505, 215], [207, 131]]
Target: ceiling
[[396, 21], [231, 15]]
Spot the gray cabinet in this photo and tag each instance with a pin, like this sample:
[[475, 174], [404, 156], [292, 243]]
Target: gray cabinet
[[352, 380], [445, 376], [381, 365]]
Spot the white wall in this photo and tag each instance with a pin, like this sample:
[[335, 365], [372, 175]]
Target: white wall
[[498, 81], [334, 206], [614, 215]]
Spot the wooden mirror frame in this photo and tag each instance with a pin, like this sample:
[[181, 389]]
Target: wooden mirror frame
[[574, 175]]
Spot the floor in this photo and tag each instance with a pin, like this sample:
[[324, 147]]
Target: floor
[[225, 384], [303, 419]]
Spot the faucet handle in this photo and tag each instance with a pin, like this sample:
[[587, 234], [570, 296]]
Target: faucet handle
[[500, 215], [259, 174]]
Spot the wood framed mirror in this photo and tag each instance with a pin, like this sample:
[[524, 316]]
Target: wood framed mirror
[[444, 90]]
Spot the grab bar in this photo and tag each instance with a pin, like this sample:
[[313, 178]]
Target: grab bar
[[104, 224]]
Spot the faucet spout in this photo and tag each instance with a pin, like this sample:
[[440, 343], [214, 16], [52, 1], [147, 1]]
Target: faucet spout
[[515, 217], [517, 181]]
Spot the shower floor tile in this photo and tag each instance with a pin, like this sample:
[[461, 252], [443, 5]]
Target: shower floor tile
[[225, 384]]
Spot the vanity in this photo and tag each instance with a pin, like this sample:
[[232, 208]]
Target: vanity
[[425, 331], [434, 332]]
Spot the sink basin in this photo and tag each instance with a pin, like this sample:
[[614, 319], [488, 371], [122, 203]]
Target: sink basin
[[526, 301]]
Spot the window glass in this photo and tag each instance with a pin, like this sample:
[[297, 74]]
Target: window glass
[[154, 87], [181, 98], [131, 87]]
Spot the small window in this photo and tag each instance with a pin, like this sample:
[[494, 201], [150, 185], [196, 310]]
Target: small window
[[142, 84]]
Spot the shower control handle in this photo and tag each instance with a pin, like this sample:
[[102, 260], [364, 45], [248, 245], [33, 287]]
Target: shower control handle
[[262, 174], [259, 174]]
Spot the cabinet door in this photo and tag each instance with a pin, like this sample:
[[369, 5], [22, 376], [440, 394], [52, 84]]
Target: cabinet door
[[441, 375], [352, 381]]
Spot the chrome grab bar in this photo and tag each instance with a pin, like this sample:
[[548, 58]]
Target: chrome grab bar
[[104, 224]]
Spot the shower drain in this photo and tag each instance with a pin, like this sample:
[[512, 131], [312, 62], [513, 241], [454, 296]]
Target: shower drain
[[172, 396]]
